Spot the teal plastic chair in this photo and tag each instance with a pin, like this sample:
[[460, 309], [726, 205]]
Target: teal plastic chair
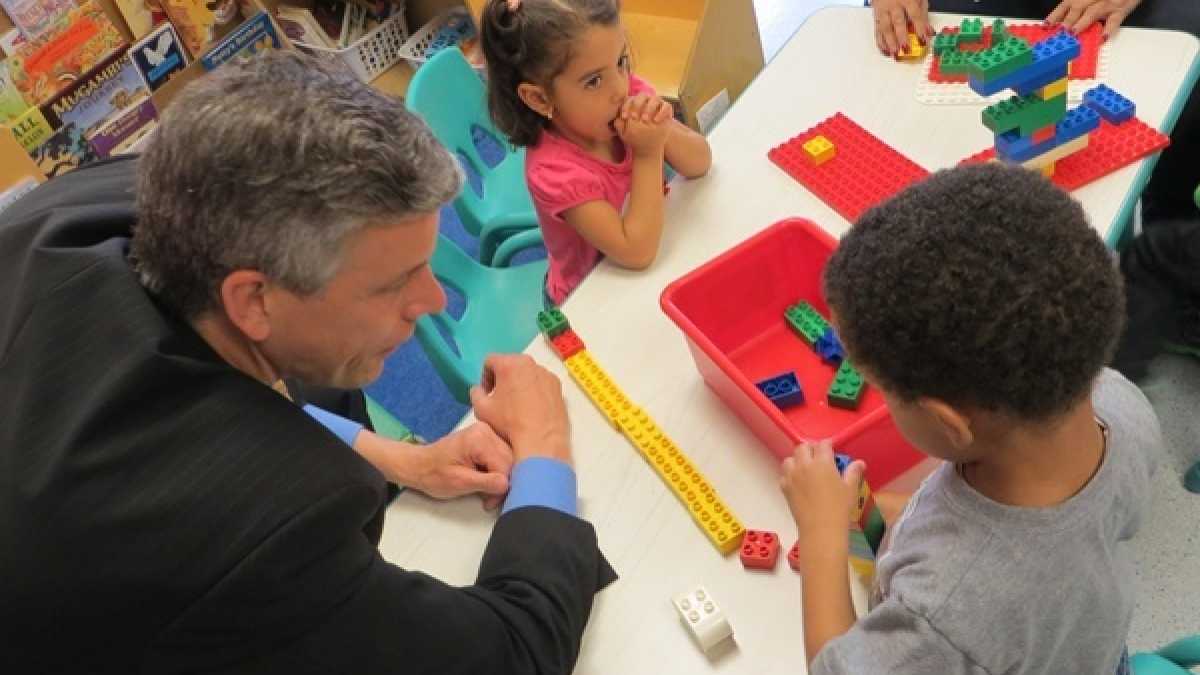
[[451, 98], [1176, 658], [501, 307]]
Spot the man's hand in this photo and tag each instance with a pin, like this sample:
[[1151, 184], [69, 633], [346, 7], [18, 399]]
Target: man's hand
[[892, 19], [642, 124], [821, 500], [1077, 15], [523, 403], [467, 461]]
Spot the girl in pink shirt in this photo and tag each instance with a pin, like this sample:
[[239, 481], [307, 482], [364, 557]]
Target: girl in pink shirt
[[559, 83]]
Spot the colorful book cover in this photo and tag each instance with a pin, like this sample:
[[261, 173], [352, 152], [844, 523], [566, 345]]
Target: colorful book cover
[[36, 18], [139, 16], [31, 129], [159, 56], [10, 41], [42, 68], [124, 130], [300, 26], [67, 149], [194, 21], [107, 90], [255, 36], [12, 104]]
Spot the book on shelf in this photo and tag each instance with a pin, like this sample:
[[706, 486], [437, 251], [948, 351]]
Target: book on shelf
[[37, 18], [12, 104], [194, 21], [354, 24], [124, 129], [301, 26], [138, 15], [65, 150], [31, 129], [254, 36], [92, 101], [41, 68], [10, 41], [159, 55]]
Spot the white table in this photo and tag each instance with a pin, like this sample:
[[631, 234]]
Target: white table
[[643, 530]]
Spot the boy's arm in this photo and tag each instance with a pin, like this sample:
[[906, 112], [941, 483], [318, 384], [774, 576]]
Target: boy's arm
[[687, 151], [828, 608]]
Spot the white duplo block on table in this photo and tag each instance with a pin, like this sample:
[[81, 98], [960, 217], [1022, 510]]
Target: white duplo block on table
[[703, 618]]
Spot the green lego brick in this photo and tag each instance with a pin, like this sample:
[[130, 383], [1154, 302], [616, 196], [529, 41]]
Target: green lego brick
[[1025, 113], [847, 387], [552, 323], [944, 43], [1001, 60], [971, 30], [874, 528], [806, 321], [954, 63], [1000, 33]]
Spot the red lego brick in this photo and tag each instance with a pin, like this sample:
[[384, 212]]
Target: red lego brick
[[794, 556], [1044, 134], [760, 550], [864, 172], [1110, 147], [1082, 68], [567, 344]]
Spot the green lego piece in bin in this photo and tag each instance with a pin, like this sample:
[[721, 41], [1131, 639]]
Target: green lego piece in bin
[[999, 61], [971, 30], [552, 323], [847, 387], [806, 321]]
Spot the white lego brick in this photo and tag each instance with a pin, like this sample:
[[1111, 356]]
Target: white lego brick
[[703, 617]]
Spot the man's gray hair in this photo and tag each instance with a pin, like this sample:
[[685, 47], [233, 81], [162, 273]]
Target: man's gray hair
[[269, 165]]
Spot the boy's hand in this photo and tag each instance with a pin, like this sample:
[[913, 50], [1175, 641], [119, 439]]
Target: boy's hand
[[642, 124], [821, 500]]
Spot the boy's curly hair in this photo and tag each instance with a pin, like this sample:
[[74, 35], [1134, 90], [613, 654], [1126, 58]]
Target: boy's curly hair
[[983, 286]]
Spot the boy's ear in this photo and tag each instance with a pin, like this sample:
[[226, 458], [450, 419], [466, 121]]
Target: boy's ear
[[536, 99], [951, 422]]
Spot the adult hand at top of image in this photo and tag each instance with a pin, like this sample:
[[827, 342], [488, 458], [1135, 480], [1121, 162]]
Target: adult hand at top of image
[[1078, 15], [892, 19]]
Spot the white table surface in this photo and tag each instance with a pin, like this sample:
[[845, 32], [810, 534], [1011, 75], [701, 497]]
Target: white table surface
[[650, 540]]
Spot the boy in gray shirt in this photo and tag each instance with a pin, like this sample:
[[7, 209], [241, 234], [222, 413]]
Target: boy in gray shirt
[[984, 307]]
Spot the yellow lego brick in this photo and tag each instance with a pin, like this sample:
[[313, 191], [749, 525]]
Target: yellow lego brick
[[819, 150], [1048, 170], [916, 50], [864, 495], [1052, 90], [865, 569]]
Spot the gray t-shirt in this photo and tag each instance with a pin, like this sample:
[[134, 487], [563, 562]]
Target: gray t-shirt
[[973, 586]]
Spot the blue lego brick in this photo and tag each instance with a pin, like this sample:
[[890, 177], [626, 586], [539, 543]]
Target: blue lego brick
[[842, 461], [1112, 106], [783, 390], [1049, 56], [1077, 122], [829, 347]]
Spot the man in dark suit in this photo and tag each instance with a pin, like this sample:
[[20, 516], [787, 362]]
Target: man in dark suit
[[165, 504]]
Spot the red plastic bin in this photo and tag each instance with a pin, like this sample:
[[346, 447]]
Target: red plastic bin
[[731, 309]]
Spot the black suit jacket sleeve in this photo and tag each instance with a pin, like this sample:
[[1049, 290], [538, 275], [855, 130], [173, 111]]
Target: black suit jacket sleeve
[[317, 597]]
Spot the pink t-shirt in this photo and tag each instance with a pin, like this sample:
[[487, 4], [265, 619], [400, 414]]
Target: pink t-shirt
[[562, 176]]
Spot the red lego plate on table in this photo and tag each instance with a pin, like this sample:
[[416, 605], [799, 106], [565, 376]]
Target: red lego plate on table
[[864, 170], [736, 343], [1082, 68], [1109, 148]]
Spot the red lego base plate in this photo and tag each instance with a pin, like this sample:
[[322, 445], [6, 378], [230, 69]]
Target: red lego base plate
[[864, 170], [1082, 68], [760, 550], [1110, 147]]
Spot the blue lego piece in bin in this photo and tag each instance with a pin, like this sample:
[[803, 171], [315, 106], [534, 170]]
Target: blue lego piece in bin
[[842, 461], [783, 390], [1050, 59], [829, 348], [1109, 104]]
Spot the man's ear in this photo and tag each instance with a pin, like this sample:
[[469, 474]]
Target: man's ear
[[536, 98], [950, 422], [244, 300]]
